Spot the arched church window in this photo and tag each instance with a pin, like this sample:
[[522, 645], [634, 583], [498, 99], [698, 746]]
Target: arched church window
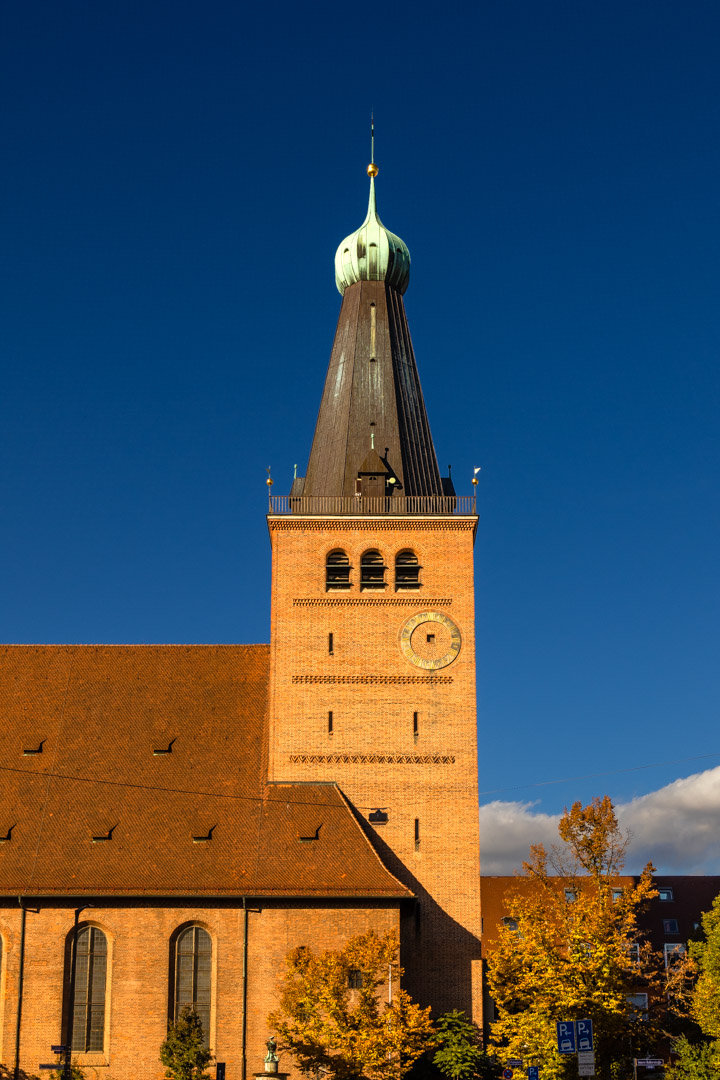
[[193, 975], [407, 570], [88, 1006], [337, 570], [372, 571]]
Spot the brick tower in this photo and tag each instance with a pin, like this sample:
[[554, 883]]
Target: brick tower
[[372, 681]]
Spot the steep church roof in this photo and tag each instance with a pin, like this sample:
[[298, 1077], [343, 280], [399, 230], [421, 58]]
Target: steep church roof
[[143, 751], [372, 394]]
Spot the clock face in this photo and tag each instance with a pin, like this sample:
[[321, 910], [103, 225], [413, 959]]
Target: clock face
[[430, 640]]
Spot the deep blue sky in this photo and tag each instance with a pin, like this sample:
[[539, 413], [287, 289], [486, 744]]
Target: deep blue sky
[[176, 179]]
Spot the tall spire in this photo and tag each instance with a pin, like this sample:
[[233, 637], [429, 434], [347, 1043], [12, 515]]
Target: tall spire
[[372, 382]]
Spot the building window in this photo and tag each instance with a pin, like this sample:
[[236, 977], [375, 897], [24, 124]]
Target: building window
[[634, 953], [665, 893], [407, 570], [88, 1025], [570, 896], [670, 926], [510, 924], [372, 571], [355, 979], [616, 894], [673, 952], [337, 570], [193, 971], [638, 1006]]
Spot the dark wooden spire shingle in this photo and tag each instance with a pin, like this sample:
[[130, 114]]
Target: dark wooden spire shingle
[[372, 400]]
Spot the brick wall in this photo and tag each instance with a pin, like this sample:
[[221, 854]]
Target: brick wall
[[139, 935], [373, 692]]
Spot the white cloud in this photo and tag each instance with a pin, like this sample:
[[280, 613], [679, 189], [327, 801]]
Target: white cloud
[[677, 827]]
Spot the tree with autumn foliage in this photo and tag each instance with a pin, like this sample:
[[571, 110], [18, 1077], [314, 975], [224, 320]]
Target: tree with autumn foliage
[[700, 1060], [331, 1019], [573, 951]]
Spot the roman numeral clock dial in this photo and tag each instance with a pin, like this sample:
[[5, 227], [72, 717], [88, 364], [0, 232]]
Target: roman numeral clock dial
[[430, 640]]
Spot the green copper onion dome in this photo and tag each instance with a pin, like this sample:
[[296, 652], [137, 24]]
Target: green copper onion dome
[[372, 252]]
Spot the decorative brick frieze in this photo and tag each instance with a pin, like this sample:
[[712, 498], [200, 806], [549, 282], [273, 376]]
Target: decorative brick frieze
[[372, 759], [375, 680], [375, 601], [368, 524]]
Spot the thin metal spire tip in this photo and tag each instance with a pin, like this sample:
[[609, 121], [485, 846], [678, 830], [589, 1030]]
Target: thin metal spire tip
[[372, 169]]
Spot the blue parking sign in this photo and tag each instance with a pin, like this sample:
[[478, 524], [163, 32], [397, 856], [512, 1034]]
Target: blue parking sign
[[566, 1036], [584, 1035], [533, 1072]]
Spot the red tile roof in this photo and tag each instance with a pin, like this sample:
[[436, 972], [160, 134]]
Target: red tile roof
[[100, 711]]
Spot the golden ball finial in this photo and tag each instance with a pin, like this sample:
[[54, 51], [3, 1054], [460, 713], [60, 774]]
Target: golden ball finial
[[372, 169]]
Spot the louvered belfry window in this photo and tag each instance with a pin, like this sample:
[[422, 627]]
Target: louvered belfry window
[[193, 963], [372, 571], [407, 570], [90, 985], [337, 571]]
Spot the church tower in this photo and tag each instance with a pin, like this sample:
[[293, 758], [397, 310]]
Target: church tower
[[372, 681]]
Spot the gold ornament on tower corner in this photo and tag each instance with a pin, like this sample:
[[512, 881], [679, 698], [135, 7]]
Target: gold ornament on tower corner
[[372, 169]]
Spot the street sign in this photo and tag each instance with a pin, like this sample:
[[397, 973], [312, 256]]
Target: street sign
[[514, 1063], [566, 1036], [220, 1074], [58, 1049], [586, 1057], [584, 1035], [649, 1063], [507, 1074], [586, 1070], [533, 1072]]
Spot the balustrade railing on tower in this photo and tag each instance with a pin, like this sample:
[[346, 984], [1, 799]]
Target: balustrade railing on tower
[[354, 505]]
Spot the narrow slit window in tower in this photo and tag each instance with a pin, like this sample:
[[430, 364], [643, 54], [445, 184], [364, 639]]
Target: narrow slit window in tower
[[373, 330], [330, 644], [330, 723], [416, 726], [417, 833]]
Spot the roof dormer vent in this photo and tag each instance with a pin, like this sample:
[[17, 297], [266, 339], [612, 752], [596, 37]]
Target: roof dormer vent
[[161, 753]]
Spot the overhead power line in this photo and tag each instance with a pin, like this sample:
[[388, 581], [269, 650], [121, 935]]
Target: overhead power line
[[69, 777]]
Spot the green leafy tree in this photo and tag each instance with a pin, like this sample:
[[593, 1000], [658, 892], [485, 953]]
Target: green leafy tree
[[76, 1072], [184, 1053], [331, 1019], [574, 951], [701, 1060], [706, 954], [460, 1054], [695, 1061]]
